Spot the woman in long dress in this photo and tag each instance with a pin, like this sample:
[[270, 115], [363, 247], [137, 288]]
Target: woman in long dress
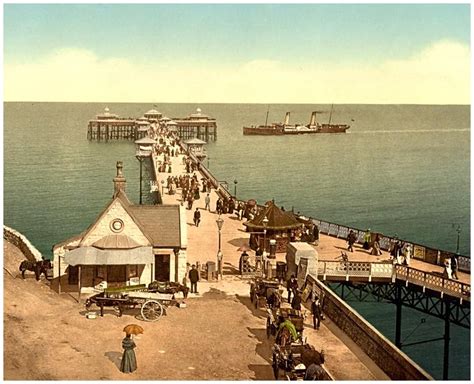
[[129, 361]]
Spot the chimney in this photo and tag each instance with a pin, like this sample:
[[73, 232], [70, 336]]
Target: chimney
[[313, 119], [287, 118], [119, 180]]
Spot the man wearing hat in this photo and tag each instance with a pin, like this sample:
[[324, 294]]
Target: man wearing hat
[[194, 278]]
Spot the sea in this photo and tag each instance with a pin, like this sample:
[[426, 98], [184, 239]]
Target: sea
[[399, 170]]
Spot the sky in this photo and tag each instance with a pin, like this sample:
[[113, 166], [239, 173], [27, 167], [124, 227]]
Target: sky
[[243, 53]]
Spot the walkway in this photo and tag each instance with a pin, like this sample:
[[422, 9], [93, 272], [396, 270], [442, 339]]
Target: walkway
[[203, 246]]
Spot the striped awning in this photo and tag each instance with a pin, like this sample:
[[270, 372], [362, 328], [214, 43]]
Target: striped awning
[[95, 256]]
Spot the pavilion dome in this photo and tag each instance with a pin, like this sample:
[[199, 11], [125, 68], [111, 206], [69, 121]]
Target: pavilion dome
[[107, 114], [198, 114]]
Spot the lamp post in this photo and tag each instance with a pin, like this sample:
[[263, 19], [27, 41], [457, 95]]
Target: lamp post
[[265, 223], [458, 230], [140, 158], [235, 188], [220, 223]]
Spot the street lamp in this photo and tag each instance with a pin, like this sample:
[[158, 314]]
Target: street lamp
[[458, 230], [140, 158], [220, 223], [235, 188], [265, 223]]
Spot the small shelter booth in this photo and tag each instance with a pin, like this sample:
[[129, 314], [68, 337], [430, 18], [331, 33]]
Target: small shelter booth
[[126, 245], [301, 260], [196, 147], [272, 223]]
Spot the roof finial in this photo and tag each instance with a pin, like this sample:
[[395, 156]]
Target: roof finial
[[119, 180]]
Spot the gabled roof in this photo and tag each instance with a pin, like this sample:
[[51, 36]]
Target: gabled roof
[[277, 219], [160, 223]]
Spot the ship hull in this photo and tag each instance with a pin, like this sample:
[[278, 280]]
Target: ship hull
[[262, 130], [274, 131]]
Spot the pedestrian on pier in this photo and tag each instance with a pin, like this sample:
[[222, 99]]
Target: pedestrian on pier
[[194, 278], [292, 287], [197, 217], [296, 302], [190, 201], [454, 266], [367, 240], [376, 246], [351, 239], [316, 311], [207, 200], [315, 234], [447, 269]]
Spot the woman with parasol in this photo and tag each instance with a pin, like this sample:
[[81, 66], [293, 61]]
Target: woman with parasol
[[129, 361]]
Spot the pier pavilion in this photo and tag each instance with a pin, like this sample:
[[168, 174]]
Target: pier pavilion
[[272, 224], [197, 125], [126, 245], [109, 126]]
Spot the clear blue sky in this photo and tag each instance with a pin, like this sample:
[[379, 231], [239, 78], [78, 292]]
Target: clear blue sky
[[233, 32]]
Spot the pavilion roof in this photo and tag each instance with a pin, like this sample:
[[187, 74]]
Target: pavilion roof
[[277, 219]]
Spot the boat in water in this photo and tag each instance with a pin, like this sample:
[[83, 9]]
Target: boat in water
[[286, 128]]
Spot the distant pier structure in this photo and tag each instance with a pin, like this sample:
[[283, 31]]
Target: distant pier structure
[[196, 125], [109, 126]]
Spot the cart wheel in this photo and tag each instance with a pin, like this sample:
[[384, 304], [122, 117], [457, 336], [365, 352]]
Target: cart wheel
[[151, 310], [269, 328]]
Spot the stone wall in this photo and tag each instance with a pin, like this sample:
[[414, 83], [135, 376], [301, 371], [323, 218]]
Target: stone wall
[[396, 364], [22, 243]]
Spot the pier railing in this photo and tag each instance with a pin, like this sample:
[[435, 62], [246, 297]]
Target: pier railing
[[367, 271], [420, 252]]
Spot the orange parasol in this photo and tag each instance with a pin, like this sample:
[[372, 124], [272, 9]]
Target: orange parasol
[[133, 329]]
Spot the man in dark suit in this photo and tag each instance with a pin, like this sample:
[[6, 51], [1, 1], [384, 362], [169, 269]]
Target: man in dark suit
[[194, 278]]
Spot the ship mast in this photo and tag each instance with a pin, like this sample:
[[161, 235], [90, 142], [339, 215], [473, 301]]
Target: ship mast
[[266, 119], [330, 114]]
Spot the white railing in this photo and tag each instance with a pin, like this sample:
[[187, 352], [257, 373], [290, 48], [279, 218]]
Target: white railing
[[356, 270]]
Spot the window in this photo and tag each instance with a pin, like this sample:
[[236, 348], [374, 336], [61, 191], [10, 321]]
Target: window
[[132, 271]]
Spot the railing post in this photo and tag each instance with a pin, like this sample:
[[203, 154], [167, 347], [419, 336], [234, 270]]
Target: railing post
[[398, 323], [447, 313]]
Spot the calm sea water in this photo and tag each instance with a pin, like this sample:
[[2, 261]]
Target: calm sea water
[[400, 169]]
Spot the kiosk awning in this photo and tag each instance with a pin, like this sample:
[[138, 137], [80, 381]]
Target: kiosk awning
[[95, 256]]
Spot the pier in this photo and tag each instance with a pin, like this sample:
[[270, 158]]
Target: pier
[[109, 126], [421, 285]]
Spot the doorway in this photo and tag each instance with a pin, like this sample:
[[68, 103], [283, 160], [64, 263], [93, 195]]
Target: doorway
[[162, 267]]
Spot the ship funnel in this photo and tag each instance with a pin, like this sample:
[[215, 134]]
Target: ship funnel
[[313, 119], [287, 118]]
